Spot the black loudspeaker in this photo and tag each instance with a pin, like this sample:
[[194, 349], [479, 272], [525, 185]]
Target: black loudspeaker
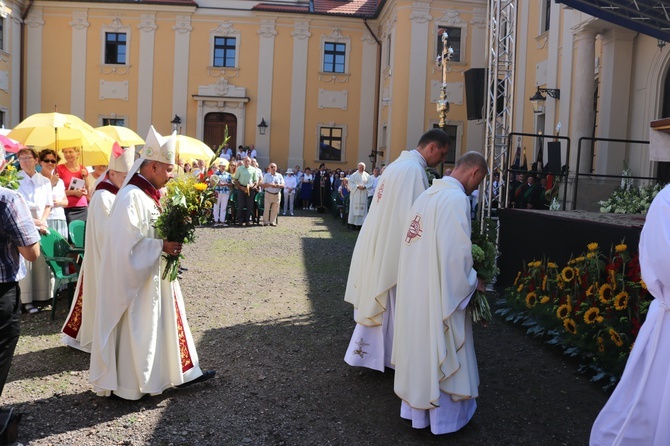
[[554, 151], [475, 80]]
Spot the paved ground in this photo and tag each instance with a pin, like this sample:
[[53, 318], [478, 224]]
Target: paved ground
[[265, 306]]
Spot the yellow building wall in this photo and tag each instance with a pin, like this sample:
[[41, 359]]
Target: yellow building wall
[[56, 61]]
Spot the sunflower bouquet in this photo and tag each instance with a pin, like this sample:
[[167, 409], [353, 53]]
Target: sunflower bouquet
[[187, 204], [484, 254], [593, 306], [9, 176]]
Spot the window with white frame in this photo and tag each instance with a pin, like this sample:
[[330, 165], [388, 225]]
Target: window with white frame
[[331, 142], [115, 38], [225, 51], [121, 122], [454, 40], [545, 16], [115, 48], [388, 51], [452, 133], [334, 57], [335, 49]]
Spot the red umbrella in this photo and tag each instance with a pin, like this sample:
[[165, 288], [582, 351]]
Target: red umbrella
[[11, 146]]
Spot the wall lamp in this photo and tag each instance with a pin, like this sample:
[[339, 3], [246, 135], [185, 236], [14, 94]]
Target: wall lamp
[[262, 127], [538, 99], [175, 123]]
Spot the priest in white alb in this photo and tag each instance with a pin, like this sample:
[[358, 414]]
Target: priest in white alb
[[142, 343], [359, 183], [435, 365], [78, 328], [373, 272], [638, 412]]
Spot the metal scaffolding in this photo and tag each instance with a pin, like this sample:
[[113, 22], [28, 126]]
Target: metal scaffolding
[[499, 98]]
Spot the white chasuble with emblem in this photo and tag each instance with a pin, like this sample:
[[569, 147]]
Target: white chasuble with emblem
[[142, 343]]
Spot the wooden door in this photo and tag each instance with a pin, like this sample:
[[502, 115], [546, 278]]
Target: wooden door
[[215, 127]]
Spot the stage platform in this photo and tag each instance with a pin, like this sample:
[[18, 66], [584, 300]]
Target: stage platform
[[527, 235]]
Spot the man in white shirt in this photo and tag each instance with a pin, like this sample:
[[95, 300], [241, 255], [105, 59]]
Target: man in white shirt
[[375, 180], [226, 152], [273, 183], [290, 185]]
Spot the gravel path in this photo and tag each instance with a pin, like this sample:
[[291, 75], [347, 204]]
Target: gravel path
[[266, 309]]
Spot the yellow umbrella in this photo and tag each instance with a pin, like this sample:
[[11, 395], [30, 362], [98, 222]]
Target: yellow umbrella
[[58, 131], [192, 149], [123, 135]]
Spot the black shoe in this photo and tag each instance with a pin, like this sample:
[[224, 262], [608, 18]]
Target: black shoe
[[209, 374], [182, 268]]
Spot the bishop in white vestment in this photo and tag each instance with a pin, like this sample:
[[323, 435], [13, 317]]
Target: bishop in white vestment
[[435, 365], [78, 328], [638, 412], [142, 343], [359, 183], [373, 272]]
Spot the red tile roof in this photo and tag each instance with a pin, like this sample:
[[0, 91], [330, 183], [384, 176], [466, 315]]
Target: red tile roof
[[354, 8], [361, 8]]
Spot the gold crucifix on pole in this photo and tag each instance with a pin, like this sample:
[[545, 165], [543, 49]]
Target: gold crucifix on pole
[[441, 62]]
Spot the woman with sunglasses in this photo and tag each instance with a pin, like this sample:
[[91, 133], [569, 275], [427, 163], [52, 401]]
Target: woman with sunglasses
[[56, 219]]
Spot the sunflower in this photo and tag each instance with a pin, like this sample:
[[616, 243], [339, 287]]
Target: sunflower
[[544, 299], [621, 247], [563, 311], [592, 246], [591, 315], [616, 338], [544, 283], [200, 186], [520, 287], [621, 301], [590, 255], [570, 326], [568, 274], [579, 259], [605, 293], [531, 300], [517, 278], [643, 284], [552, 265]]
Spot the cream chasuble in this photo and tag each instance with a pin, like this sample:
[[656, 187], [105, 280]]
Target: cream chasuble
[[638, 411], [78, 327], [358, 200], [374, 263], [142, 343], [433, 351]]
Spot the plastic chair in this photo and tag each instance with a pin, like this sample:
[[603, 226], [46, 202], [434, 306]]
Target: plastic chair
[[55, 250], [259, 199], [77, 230]]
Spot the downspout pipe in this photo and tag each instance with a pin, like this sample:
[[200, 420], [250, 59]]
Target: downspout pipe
[[377, 81]]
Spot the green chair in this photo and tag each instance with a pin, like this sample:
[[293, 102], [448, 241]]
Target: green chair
[[259, 200], [55, 250], [77, 230]]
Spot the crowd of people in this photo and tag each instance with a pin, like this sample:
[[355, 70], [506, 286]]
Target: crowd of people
[[245, 193], [410, 280]]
